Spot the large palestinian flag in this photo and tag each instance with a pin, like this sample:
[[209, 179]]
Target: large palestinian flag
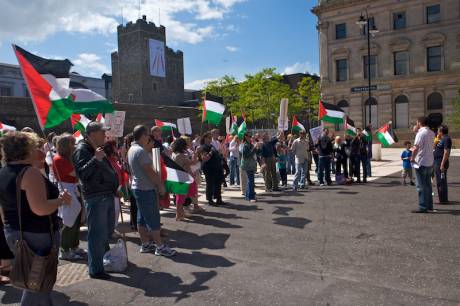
[[48, 84], [330, 113], [234, 126], [165, 126], [296, 125], [350, 128], [242, 130], [89, 102], [212, 111], [178, 181], [386, 136]]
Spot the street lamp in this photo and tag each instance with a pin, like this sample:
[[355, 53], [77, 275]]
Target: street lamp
[[362, 21]]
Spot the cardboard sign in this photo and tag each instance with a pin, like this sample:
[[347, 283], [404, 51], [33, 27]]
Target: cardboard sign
[[184, 126], [283, 125], [283, 117], [315, 133], [116, 122]]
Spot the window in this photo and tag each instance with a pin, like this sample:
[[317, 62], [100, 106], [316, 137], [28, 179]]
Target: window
[[399, 20], [340, 30], [341, 70], [433, 13], [374, 118], [6, 91], [371, 24], [402, 112], [26, 91], [434, 101], [401, 62], [373, 63], [434, 58]]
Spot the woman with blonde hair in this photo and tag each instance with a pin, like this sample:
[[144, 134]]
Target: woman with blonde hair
[[34, 219]]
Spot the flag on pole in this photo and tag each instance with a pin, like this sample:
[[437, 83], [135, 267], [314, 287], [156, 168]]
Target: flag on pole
[[296, 125], [330, 113], [242, 130], [350, 128], [212, 111], [79, 123], [89, 102], [165, 126], [234, 126], [100, 118], [367, 135], [6, 127], [385, 135], [48, 84], [178, 181]]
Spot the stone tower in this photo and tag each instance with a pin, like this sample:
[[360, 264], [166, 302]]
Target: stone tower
[[132, 79]]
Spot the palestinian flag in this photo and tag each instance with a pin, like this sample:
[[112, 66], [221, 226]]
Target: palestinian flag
[[89, 102], [212, 111], [385, 135], [178, 181], [100, 118], [367, 135], [330, 113], [234, 126], [165, 126], [79, 122], [242, 130], [5, 127], [296, 125], [48, 84], [350, 128]]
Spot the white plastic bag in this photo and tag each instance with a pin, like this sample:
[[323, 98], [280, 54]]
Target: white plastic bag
[[116, 259]]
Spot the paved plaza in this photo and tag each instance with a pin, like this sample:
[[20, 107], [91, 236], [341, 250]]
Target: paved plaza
[[337, 245]]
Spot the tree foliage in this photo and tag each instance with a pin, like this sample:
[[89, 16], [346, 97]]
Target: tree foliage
[[454, 117]]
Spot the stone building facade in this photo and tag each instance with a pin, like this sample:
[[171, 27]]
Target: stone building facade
[[415, 59], [132, 82]]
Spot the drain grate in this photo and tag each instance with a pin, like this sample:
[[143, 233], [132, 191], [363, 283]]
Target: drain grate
[[71, 273]]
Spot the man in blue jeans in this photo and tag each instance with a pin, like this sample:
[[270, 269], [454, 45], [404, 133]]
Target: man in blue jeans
[[325, 154], [99, 184], [234, 154], [423, 159]]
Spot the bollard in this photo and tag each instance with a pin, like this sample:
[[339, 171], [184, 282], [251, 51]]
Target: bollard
[[377, 151]]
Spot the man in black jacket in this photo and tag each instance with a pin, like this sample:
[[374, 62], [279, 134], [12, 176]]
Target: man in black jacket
[[99, 184], [359, 155], [325, 154]]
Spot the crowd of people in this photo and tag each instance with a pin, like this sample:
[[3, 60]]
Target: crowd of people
[[50, 188]]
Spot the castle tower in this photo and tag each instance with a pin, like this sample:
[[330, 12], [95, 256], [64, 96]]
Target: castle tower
[[144, 69]]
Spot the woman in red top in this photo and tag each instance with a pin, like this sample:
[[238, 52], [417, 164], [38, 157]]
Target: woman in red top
[[70, 215]]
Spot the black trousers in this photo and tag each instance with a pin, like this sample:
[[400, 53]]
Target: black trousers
[[214, 180], [341, 164], [283, 175], [133, 212], [441, 181], [5, 252]]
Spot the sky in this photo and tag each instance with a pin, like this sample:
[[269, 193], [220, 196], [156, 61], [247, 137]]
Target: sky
[[218, 37]]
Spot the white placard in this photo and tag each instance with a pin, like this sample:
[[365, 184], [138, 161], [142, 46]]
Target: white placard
[[116, 122], [156, 159], [157, 58], [283, 125], [315, 133], [282, 119], [228, 123], [184, 126]]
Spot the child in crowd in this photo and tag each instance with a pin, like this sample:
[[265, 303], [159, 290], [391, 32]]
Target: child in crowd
[[281, 163], [407, 167]]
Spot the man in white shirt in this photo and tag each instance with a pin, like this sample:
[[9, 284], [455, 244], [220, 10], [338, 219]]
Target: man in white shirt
[[234, 157], [300, 148], [423, 159]]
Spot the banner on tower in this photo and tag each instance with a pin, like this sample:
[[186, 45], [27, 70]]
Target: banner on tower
[[157, 58]]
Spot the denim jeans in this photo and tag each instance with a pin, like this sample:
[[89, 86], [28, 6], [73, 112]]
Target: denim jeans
[[300, 174], [101, 223], [250, 194], [291, 163], [359, 160], [39, 243], [234, 171], [441, 181], [148, 214], [324, 171], [425, 197], [368, 167]]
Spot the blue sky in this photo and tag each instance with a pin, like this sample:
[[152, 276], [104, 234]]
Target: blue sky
[[218, 37]]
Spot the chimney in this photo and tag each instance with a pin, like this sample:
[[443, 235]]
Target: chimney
[[144, 17]]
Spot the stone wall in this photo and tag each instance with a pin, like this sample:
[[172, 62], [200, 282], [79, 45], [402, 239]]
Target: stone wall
[[19, 112]]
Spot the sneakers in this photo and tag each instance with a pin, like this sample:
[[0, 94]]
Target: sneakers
[[101, 275], [165, 251], [79, 251], [69, 255], [147, 248]]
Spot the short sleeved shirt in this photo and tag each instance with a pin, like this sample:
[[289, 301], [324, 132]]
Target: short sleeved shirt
[[424, 141], [406, 155], [138, 158], [300, 148], [444, 144], [63, 168]]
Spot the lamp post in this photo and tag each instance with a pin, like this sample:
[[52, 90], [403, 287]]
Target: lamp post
[[365, 20]]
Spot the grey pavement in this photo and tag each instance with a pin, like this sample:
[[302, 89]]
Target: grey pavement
[[336, 245]]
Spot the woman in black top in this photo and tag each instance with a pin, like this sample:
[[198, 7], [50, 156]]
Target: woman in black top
[[213, 170], [40, 200], [340, 156]]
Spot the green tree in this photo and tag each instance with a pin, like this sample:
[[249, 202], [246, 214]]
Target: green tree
[[225, 87], [308, 90], [454, 117]]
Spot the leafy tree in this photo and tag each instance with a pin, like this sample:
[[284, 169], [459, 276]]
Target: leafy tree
[[454, 117], [309, 91], [225, 87]]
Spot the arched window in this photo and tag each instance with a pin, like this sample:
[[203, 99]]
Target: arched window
[[434, 101], [374, 119], [401, 112]]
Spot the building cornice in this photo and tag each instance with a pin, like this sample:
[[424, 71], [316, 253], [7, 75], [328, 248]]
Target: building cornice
[[328, 5]]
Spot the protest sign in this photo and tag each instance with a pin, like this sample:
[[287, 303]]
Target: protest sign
[[315, 133], [184, 126], [116, 122]]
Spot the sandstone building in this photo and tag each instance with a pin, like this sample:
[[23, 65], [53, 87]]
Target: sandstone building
[[415, 59]]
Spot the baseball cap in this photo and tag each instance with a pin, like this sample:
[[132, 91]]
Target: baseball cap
[[94, 126]]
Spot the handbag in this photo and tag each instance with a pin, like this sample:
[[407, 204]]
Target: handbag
[[29, 270]]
